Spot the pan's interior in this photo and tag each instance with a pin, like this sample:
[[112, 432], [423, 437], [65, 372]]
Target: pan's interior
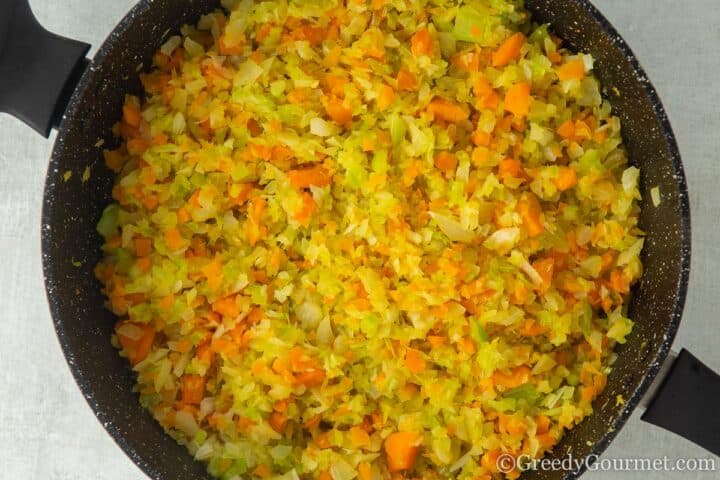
[[72, 209]]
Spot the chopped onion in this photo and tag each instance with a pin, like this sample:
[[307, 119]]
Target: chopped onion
[[324, 331], [320, 127], [309, 314], [178, 123], [532, 274], [452, 228], [131, 331], [655, 196], [193, 48], [247, 73], [341, 470], [170, 45], [186, 423], [630, 179], [503, 240]]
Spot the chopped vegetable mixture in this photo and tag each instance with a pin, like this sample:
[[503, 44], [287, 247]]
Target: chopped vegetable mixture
[[372, 239]]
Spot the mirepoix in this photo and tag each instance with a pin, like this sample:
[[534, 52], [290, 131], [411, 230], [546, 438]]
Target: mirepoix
[[372, 239]]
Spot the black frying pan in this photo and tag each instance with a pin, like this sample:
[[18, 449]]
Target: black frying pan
[[46, 81]]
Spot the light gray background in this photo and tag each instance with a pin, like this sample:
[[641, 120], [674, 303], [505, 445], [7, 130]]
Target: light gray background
[[47, 432]]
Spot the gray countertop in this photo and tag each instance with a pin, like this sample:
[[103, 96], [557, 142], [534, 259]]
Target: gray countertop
[[47, 432]]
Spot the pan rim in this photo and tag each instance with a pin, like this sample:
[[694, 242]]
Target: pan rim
[[101, 412], [685, 232]]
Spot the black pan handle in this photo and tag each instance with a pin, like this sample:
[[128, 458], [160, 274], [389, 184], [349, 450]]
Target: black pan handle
[[38, 69], [687, 402]]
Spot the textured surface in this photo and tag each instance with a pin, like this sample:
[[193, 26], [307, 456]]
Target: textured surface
[[46, 429]]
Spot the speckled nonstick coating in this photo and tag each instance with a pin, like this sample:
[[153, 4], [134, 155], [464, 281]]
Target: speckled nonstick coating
[[72, 209]]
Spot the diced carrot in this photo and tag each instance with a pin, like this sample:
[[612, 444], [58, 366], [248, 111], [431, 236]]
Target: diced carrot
[[137, 146], [144, 263], [365, 471], [263, 152], [421, 43], [509, 50], [204, 353], [278, 421], [193, 389], [359, 437], [618, 282], [281, 405], [436, 341], [582, 129], [489, 460], [255, 315], [313, 422], [491, 101], [414, 360], [334, 84], [368, 144], [479, 156], [325, 475], [227, 307], [531, 328], [255, 230], [509, 168], [543, 424], [448, 111], [213, 273], [554, 57], [517, 99], [401, 449], [173, 238], [481, 138], [519, 294], [337, 111], [482, 88], [446, 162], [517, 376], [406, 80], [137, 347], [131, 114], [160, 139], [572, 70], [183, 345], [547, 440], [588, 393], [183, 215], [304, 214], [608, 259], [385, 97], [566, 179], [147, 176], [511, 424], [257, 207], [545, 268], [240, 193], [114, 160], [262, 32], [297, 96], [143, 246], [262, 471], [167, 301], [467, 61], [530, 211], [150, 202], [567, 130], [314, 35], [313, 377], [306, 177], [333, 57], [227, 48]]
